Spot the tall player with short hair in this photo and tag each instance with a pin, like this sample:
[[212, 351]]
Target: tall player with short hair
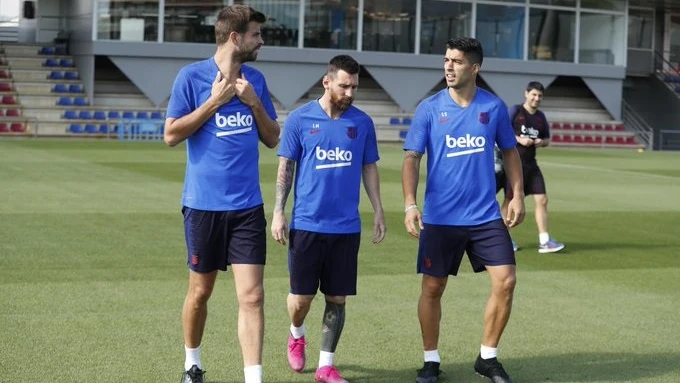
[[334, 147], [458, 128], [533, 131], [222, 109]]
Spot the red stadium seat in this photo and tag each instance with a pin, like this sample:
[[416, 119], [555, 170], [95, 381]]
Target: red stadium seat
[[3, 74], [589, 139], [608, 127], [578, 139], [3, 127], [8, 100], [609, 140], [556, 138], [568, 138], [621, 140], [598, 139], [12, 113], [566, 126], [619, 128], [630, 140], [17, 127], [587, 127], [555, 125], [5, 87], [599, 127], [578, 127], [2, 113]]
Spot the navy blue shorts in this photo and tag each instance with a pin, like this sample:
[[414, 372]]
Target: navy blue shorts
[[216, 239], [533, 181], [327, 259], [441, 247]]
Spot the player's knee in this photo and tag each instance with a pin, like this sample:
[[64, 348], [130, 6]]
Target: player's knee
[[542, 200], [433, 287], [252, 298], [506, 287], [199, 295]]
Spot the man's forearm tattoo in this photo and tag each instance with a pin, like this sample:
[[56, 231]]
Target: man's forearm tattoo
[[284, 181], [412, 153]]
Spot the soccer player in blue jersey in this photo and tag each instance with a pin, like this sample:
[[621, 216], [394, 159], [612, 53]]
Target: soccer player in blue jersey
[[533, 131], [222, 109], [457, 128], [334, 147]]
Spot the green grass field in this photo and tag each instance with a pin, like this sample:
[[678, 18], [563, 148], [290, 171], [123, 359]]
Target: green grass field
[[93, 275]]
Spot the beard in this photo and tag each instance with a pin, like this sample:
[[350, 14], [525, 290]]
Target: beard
[[341, 102], [247, 56]]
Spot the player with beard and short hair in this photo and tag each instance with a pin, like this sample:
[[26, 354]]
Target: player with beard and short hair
[[222, 109], [334, 146]]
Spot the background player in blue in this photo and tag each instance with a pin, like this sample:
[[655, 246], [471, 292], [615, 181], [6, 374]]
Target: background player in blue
[[533, 131], [458, 128], [221, 108], [334, 146]]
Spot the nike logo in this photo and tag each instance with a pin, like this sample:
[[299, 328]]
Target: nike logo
[[443, 120]]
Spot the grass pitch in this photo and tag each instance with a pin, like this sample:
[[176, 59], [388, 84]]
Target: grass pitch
[[93, 275]]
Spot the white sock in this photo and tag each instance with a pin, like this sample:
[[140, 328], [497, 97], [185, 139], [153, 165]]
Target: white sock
[[193, 356], [432, 356], [543, 238], [298, 332], [488, 352], [253, 374], [326, 358]]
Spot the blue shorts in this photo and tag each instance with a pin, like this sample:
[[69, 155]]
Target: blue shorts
[[327, 259], [441, 247], [216, 239]]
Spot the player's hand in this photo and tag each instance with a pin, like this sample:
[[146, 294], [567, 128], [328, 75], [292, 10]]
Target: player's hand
[[222, 91], [538, 142], [515, 214], [526, 141], [245, 92], [280, 228], [379, 228], [414, 222]]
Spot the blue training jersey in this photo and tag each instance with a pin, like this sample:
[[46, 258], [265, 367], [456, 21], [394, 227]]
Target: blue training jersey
[[222, 155], [459, 142], [330, 155]]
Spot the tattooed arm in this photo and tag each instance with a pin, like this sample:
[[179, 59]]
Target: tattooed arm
[[284, 182], [410, 172]]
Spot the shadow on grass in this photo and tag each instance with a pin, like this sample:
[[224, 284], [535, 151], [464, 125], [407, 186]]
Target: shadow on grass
[[579, 367]]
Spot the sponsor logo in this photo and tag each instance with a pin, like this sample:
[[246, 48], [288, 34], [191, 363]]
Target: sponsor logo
[[352, 132], [194, 259], [469, 144], [484, 117], [241, 121], [528, 132], [316, 128], [339, 158]]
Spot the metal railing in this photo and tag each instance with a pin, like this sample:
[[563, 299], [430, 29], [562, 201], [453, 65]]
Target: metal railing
[[669, 140], [632, 120]]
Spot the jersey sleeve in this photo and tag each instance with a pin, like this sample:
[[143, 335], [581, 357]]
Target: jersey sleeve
[[371, 149], [419, 133], [267, 100], [290, 145], [512, 113], [545, 133], [505, 134], [182, 100]]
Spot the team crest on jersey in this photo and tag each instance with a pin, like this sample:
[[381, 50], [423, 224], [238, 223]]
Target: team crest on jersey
[[484, 117], [352, 132]]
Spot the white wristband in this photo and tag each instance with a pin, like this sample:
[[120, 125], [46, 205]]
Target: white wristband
[[410, 207]]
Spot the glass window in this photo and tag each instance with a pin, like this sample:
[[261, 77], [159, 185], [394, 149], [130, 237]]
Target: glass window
[[562, 3], [389, 26], [552, 34], [674, 56], [601, 39], [331, 24], [283, 16], [500, 29], [191, 21], [640, 23], [441, 21], [127, 20], [610, 5]]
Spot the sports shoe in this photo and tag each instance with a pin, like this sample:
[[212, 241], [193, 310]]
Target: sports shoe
[[429, 373], [193, 375], [296, 353], [491, 369], [551, 246], [515, 246], [328, 374]]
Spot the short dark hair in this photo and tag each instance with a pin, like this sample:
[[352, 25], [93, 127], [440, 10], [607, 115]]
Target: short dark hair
[[343, 62], [235, 18], [471, 47], [535, 85]]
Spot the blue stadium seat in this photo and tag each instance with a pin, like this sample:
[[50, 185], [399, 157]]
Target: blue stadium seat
[[80, 101], [75, 128], [99, 115], [60, 88], [395, 121], [71, 75], [47, 51], [51, 63], [85, 115], [142, 115], [128, 115], [156, 116], [64, 101], [55, 76], [113, 114], [75, 88], [103, 128], [91, 128], [71, 115], [60, 51], [66, 63], [402, 134], [406, 121]]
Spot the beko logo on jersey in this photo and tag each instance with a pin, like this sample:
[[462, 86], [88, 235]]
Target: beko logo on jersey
[[238, 120], [471, 144], [339, 157]]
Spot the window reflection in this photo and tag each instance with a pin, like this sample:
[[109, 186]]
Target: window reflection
[[441, 21], [127, 20], [191, 21], [600, 39], [389, 26], [500, 29], [640, 24], [281, 28], [551, 35], [331, 24]]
